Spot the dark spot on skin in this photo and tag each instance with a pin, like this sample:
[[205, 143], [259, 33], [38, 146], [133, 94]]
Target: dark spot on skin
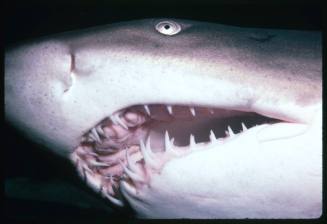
[[157, 45], [262, 38]]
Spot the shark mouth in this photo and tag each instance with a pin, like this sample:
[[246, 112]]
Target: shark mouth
[[132, 141]]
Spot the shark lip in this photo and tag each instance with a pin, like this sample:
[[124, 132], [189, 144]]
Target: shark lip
[[106, 150]]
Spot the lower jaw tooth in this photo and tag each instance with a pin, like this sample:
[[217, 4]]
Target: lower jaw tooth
[[192, 142], [94, 134], [100, 130]]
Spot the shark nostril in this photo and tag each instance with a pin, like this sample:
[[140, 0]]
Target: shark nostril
[[72, 63], [71, 73]]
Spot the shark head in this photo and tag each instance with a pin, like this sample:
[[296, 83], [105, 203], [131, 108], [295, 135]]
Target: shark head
[[177, 118]]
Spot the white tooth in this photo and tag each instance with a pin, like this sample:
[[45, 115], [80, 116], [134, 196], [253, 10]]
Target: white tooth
[[192, 111], [168, 146], [117, 118], [127, 188], [82, 167], [230, 131], [113, 119], [212, 136], [96, 135], [148, 146], [100, 130], [113, 200], [244, 127], [91, 138], [170, 109], [130, 164], [147, 110], [90, 153], [131, 174], [192, 142], [146, 155], [96, 163]]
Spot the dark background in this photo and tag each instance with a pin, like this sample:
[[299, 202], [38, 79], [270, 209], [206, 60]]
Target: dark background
[[42, 186]]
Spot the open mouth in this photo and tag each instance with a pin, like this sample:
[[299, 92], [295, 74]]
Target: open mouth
[[141, 134]]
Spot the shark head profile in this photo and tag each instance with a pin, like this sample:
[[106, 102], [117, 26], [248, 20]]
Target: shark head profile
[[178, 118]]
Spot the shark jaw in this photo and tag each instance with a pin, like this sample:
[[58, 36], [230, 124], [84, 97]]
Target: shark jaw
[[125, 155]]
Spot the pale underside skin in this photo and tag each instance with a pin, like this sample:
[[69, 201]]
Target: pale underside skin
[[58, 88]]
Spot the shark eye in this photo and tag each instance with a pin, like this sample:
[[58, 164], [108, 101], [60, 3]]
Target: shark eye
[[168, 28]]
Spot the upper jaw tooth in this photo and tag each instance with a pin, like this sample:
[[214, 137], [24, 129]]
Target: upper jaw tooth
[[170, 109], [100, 130], [147, 110], [192, 110], [94, 135], [117, 121]]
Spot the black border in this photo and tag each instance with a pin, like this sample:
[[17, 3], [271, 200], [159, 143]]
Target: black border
[[29, 19]]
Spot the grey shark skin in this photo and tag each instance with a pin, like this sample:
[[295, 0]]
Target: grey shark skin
[[58, 88]]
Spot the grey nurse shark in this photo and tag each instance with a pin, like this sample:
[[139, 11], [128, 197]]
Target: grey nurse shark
[[177, 118]]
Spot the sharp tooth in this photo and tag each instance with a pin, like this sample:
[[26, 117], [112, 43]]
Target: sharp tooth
[[113, 200], [244, 127], [147, 110], [82, 167], [192, 111], [146, 155], [100, 130], [131, 174], [96, 163], [130, 164], [212, 136], [170, 109], [90, 154], [168, 145], [192, 142], [127, 188], [117, 118], [230, 132], [113, 119], [96, 135], [90, 138], [148, 145]]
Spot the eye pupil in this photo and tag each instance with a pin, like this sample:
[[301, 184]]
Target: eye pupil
[[167, 27]]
